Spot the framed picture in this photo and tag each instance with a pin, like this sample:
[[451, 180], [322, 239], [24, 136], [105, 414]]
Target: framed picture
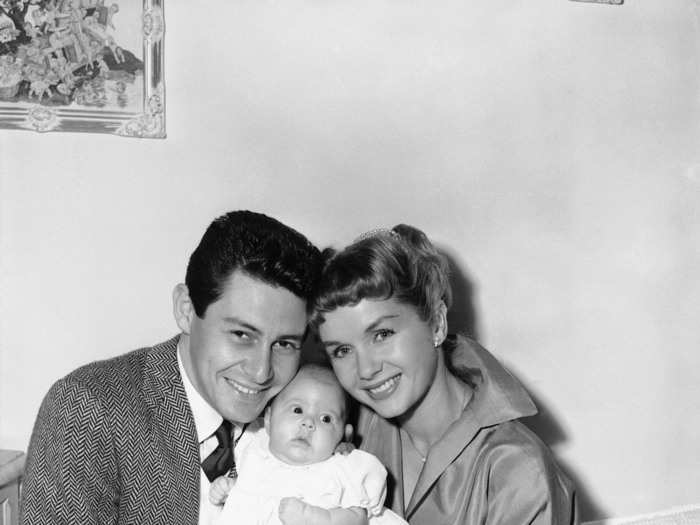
[[82, 66], [611, 2]]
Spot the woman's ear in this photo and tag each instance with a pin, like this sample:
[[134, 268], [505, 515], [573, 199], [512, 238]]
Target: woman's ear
[[440, 324], [183, 309]]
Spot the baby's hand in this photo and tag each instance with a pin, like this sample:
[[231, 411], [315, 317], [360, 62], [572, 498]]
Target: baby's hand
[[291, 511], [220, 488], [345, 447]]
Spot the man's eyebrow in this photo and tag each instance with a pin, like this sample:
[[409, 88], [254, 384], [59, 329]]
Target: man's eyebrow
[[256, 330], [242, 324]]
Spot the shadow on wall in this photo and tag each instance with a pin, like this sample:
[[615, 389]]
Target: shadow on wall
[[462, 318], [550, 431]]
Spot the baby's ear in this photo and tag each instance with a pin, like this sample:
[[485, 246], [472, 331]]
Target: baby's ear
[[267, 419]]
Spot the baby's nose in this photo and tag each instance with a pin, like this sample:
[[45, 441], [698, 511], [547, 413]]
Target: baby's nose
[[307, 423]]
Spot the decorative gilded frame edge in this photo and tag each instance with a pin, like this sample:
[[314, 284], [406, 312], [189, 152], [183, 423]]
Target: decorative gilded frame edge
[[148, 124]]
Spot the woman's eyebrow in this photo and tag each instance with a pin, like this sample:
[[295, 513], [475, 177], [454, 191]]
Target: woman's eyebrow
[[373, 326]]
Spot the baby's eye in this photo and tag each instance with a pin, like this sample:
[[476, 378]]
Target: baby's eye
[[297, 410], [286, 346], [339, 352], [325, 418], [381, 335]]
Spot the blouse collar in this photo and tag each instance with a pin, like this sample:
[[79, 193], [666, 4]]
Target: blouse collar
[[498, 397]]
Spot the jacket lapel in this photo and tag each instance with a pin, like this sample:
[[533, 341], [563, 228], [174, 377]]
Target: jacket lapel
[[174, 430]]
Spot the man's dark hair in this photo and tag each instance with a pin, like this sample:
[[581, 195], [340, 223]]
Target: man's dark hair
[[257, 245]]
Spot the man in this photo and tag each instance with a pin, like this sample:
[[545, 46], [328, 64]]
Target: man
[[120, 441]]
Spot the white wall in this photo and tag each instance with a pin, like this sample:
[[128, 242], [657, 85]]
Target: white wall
[[551, 147]]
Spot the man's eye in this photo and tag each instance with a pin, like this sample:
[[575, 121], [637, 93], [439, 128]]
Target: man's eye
[[240, 334], [381, 335], [297, 410], [339, 352], [326, 418], [286, 346]]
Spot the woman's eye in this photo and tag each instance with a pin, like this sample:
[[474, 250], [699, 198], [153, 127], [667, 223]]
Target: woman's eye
[[381, 335], [297, 410], [326, 419]]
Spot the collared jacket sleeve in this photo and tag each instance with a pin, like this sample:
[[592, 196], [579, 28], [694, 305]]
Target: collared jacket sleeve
[[70, 473]]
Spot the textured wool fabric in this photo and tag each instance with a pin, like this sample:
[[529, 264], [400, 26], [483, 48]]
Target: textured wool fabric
[[115, 443]]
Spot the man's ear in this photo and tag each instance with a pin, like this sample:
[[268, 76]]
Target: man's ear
[[267, 419], [183, 309], [440, 324]]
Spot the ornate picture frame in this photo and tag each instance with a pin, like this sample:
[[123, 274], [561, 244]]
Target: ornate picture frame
[[91, 66]]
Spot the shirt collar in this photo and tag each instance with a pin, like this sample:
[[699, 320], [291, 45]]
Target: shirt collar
[[206, 418]]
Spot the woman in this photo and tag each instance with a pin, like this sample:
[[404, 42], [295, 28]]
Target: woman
[[440, 412]]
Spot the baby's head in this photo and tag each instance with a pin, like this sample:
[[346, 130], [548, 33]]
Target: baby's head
[[306, 420]]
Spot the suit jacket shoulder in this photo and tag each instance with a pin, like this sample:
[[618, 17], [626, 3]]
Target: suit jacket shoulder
[[114, 442]]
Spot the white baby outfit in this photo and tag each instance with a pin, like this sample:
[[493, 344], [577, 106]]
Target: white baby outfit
[[354, 480]]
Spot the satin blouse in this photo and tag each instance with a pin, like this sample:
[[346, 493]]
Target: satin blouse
[[488, 468]]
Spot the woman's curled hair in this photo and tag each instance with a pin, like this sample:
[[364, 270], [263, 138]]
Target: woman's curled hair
[[400, 263]]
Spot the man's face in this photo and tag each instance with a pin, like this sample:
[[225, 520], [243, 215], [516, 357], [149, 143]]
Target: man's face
[[306, 420], [246, 348]]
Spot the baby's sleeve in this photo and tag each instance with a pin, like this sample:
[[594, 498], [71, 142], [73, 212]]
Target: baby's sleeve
[[363, 478]]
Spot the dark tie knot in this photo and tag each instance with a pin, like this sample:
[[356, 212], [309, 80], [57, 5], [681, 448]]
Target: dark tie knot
[[220, 461], [223, 434]]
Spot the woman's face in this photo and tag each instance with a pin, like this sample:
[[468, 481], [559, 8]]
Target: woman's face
[[382, 352]]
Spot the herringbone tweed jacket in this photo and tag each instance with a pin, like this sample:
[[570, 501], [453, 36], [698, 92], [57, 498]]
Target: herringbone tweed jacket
[[115, 443]]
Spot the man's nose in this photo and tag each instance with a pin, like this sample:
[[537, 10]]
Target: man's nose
[[259, 365]]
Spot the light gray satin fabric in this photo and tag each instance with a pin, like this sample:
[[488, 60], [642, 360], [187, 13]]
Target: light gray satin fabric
[[488, 468]]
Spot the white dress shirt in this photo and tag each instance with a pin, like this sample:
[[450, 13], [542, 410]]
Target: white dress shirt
[[206, 421]]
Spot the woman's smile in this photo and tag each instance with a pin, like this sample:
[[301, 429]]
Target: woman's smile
[[384, 389]]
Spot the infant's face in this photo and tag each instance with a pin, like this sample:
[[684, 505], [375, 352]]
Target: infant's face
[[306, 420]]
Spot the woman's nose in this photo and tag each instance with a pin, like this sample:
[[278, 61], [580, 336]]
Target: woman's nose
[[367, 365]]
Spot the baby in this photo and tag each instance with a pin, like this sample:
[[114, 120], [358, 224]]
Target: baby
[[287, 469]]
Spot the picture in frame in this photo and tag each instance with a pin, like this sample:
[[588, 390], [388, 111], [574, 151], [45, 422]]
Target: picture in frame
[[82, 66]]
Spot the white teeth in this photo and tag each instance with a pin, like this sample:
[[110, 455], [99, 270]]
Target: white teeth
[[242, 389], [386, 385]]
